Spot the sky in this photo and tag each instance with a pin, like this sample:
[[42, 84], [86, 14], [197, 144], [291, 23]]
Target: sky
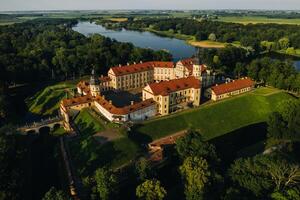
[[16, 5]]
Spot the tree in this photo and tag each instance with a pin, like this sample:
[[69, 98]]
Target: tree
[[195, 174], [143, 169], [54, 194], [284, 43], [276, 126], [263, 174], [151, 190], [239, 69], [212, 37], [290, 194], [193, 145], [106, 183]]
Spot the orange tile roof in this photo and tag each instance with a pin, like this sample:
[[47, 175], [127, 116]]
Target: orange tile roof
[[84, 86], [105, 104], [188, 63], [162, 64], [232, 86], [123, 110], [166, 87], [139, 67], [77, 100], [104, 79]]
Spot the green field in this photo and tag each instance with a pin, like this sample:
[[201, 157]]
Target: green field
[[88, 154], [255, 20], [219, 118], [46, 101], [87, 123]]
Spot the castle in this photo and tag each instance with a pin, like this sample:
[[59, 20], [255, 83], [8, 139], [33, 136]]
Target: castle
[[166, 87]]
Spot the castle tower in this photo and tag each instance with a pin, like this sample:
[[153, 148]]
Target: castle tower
[[197, 67], [94, 84]]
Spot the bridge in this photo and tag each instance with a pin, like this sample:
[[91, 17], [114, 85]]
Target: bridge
[[51, 123]]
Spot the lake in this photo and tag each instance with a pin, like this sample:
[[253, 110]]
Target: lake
[[178, 48]]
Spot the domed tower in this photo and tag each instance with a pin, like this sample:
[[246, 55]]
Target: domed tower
[[94, 84]]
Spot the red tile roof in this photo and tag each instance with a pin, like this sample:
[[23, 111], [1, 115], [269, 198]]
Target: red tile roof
[[232, 86], [104, 79], [105, 104], [140, 67], [84, 86], [123, 110], [77, 100], [166, 87], [188, 63]]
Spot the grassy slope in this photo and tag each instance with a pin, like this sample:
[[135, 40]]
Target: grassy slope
[[219, 118], [88, 155], [46, 102], [255, 20], [85, 119]]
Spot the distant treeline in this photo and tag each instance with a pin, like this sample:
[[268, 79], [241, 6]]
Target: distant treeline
[[249, 35], [44, 49]]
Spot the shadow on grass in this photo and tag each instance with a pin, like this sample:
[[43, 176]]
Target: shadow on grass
[[228, 145], [138, 137], [87, 153], [52, 102]]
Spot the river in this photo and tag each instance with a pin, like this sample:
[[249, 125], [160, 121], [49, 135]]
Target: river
[[178, 48]]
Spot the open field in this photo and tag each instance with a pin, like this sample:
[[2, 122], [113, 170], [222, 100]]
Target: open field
[[219, 118], [121, 19], [207, 44], [255, 20]]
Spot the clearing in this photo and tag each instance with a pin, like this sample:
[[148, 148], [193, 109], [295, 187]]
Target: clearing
[[207, 44], [216, 119], [255, 20]]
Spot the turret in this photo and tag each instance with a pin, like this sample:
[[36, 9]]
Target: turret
[[94, 84]]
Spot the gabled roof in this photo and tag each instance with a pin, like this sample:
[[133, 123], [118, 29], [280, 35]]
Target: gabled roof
[[123, 110], [107, 105], [140, 67], [232, 86], [166, 87], [84, 86], [188, 63]]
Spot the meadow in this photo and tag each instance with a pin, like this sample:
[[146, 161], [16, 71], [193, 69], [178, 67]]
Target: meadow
[[257, 19], [218, 118]]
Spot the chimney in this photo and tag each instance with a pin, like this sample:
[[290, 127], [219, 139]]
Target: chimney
[[134, 62], [131, 102], [103, 96], [233, 80], [110, 102], [127, 64], [141, 61], [120, 65], [216, 84], [101, 75]]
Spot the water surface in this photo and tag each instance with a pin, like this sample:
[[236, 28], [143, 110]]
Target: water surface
[[178, 48]]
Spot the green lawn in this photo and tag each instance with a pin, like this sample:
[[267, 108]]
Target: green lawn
[[88, 154], [87, 123], [46, 101], [254, 20], [219, 118]]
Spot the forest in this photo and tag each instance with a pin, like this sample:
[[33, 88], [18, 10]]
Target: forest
[[45, 49], [279, 36]]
